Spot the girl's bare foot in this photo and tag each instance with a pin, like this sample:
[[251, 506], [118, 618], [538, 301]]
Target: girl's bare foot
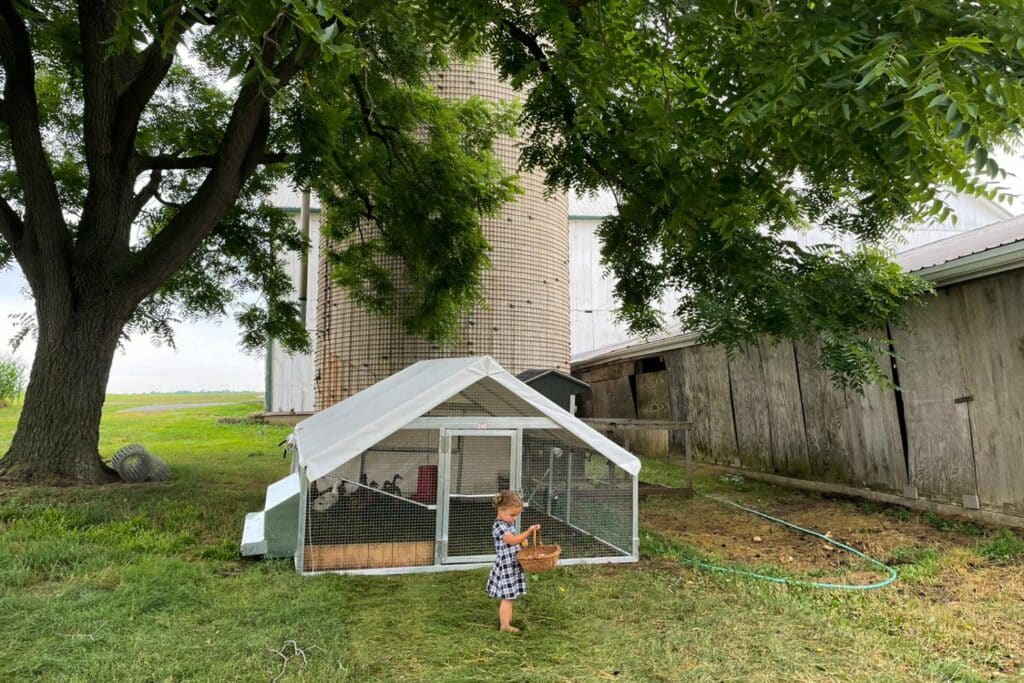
[[510, 629]]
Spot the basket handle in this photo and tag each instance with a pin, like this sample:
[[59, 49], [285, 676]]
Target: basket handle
[[538, 542]]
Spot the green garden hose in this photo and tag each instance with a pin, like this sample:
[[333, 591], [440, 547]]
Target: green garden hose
[[799, 582]]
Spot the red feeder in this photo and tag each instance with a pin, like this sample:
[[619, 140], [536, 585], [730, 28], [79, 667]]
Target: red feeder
[[426, 484]]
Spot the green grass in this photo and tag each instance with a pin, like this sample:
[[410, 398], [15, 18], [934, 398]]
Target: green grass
[[952, 525], [144, 582], [1005, 545]]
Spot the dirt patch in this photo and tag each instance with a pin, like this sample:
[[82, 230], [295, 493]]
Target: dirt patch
[[949, 594], [737, 537]]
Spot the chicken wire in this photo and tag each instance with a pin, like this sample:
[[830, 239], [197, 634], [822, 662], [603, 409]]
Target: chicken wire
[[422, 497], [486, 398], [376, 510], [582, 500]]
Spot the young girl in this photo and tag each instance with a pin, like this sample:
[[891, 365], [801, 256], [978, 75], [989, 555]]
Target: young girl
[[507, 580]]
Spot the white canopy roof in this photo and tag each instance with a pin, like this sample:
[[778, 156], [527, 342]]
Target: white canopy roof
[[334, 436]]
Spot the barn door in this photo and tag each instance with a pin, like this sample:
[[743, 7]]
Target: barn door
[[475, 465]]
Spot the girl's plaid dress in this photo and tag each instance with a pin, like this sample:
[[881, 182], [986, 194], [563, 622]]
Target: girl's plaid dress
[[507, 579]]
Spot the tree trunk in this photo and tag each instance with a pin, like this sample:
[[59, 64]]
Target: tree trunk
[[57, 439]]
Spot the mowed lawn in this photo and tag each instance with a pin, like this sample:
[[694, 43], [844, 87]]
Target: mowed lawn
[[144, 583]]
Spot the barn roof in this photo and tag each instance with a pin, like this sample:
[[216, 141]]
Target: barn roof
[[332, 437], [975, 253]]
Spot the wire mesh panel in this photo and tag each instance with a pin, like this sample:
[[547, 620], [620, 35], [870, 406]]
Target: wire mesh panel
[[479, 467], [525, 323], [377, 510], [582, 500], [485, 398]]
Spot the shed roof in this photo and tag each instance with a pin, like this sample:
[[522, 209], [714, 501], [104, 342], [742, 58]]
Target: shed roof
[[332, 437], [975, 253], [533, 374]]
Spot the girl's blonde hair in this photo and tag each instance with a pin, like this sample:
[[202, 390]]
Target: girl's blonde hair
[[507, 500]]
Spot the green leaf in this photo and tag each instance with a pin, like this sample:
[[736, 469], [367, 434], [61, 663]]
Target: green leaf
[[952, 112], [925, 90], [980, 157]]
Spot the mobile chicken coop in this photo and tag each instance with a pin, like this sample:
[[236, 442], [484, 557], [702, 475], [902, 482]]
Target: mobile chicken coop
[[399, 477]]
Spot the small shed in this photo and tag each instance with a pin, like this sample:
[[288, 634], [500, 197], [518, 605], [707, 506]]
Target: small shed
[[558, 386], [399, 477]]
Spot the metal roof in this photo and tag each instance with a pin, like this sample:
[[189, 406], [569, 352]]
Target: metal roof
[[533, 374], [976, 253]]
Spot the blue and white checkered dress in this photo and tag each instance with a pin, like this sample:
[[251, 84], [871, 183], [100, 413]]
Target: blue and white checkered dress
[[507, 579]]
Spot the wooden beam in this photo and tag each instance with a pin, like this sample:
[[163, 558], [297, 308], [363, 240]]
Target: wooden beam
[[609, 424]]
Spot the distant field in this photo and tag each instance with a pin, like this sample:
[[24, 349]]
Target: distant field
[[144, 582], [121, 401]]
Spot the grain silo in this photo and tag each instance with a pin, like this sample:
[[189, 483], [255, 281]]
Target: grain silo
[[526, 321]]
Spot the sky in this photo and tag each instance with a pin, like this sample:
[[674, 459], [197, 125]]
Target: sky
[[207, 357]]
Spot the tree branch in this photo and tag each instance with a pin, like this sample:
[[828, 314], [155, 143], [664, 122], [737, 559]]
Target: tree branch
[[11, 226], [241, 150], [45, 232], [153, 65], [529, 41], [113, 112], [366, 112], [166, 202], [568, 111], [149, 191]]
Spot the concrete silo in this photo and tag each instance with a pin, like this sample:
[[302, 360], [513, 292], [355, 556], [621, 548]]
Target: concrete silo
[[526, 321]]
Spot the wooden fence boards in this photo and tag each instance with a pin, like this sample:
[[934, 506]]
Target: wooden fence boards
[[750, 409], [785, 411], [706, 389], [653, 403], [875, 446], [932, 378], [775, 409], [827, 440], [989, 326], [677, 397], [613, 398]]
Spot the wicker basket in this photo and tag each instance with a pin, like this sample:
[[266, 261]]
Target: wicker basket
[[538, 557]]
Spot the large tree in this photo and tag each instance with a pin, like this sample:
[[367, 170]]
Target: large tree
[[138, 137]]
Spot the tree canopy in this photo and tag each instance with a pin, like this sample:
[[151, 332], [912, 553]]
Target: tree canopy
[[721, 124], [137, 140]]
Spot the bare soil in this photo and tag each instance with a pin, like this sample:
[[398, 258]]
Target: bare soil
[[956, 605], [738, 537]]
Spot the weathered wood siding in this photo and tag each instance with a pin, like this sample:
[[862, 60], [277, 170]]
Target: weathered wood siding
[[750, 409], [989, 325], [953, 432], [705, 381], [785, 409], [938, 428], [652, 403]]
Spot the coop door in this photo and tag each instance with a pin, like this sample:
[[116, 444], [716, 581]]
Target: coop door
[[476, 465]]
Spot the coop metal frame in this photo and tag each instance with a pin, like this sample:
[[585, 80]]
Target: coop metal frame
[[486, 426]]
